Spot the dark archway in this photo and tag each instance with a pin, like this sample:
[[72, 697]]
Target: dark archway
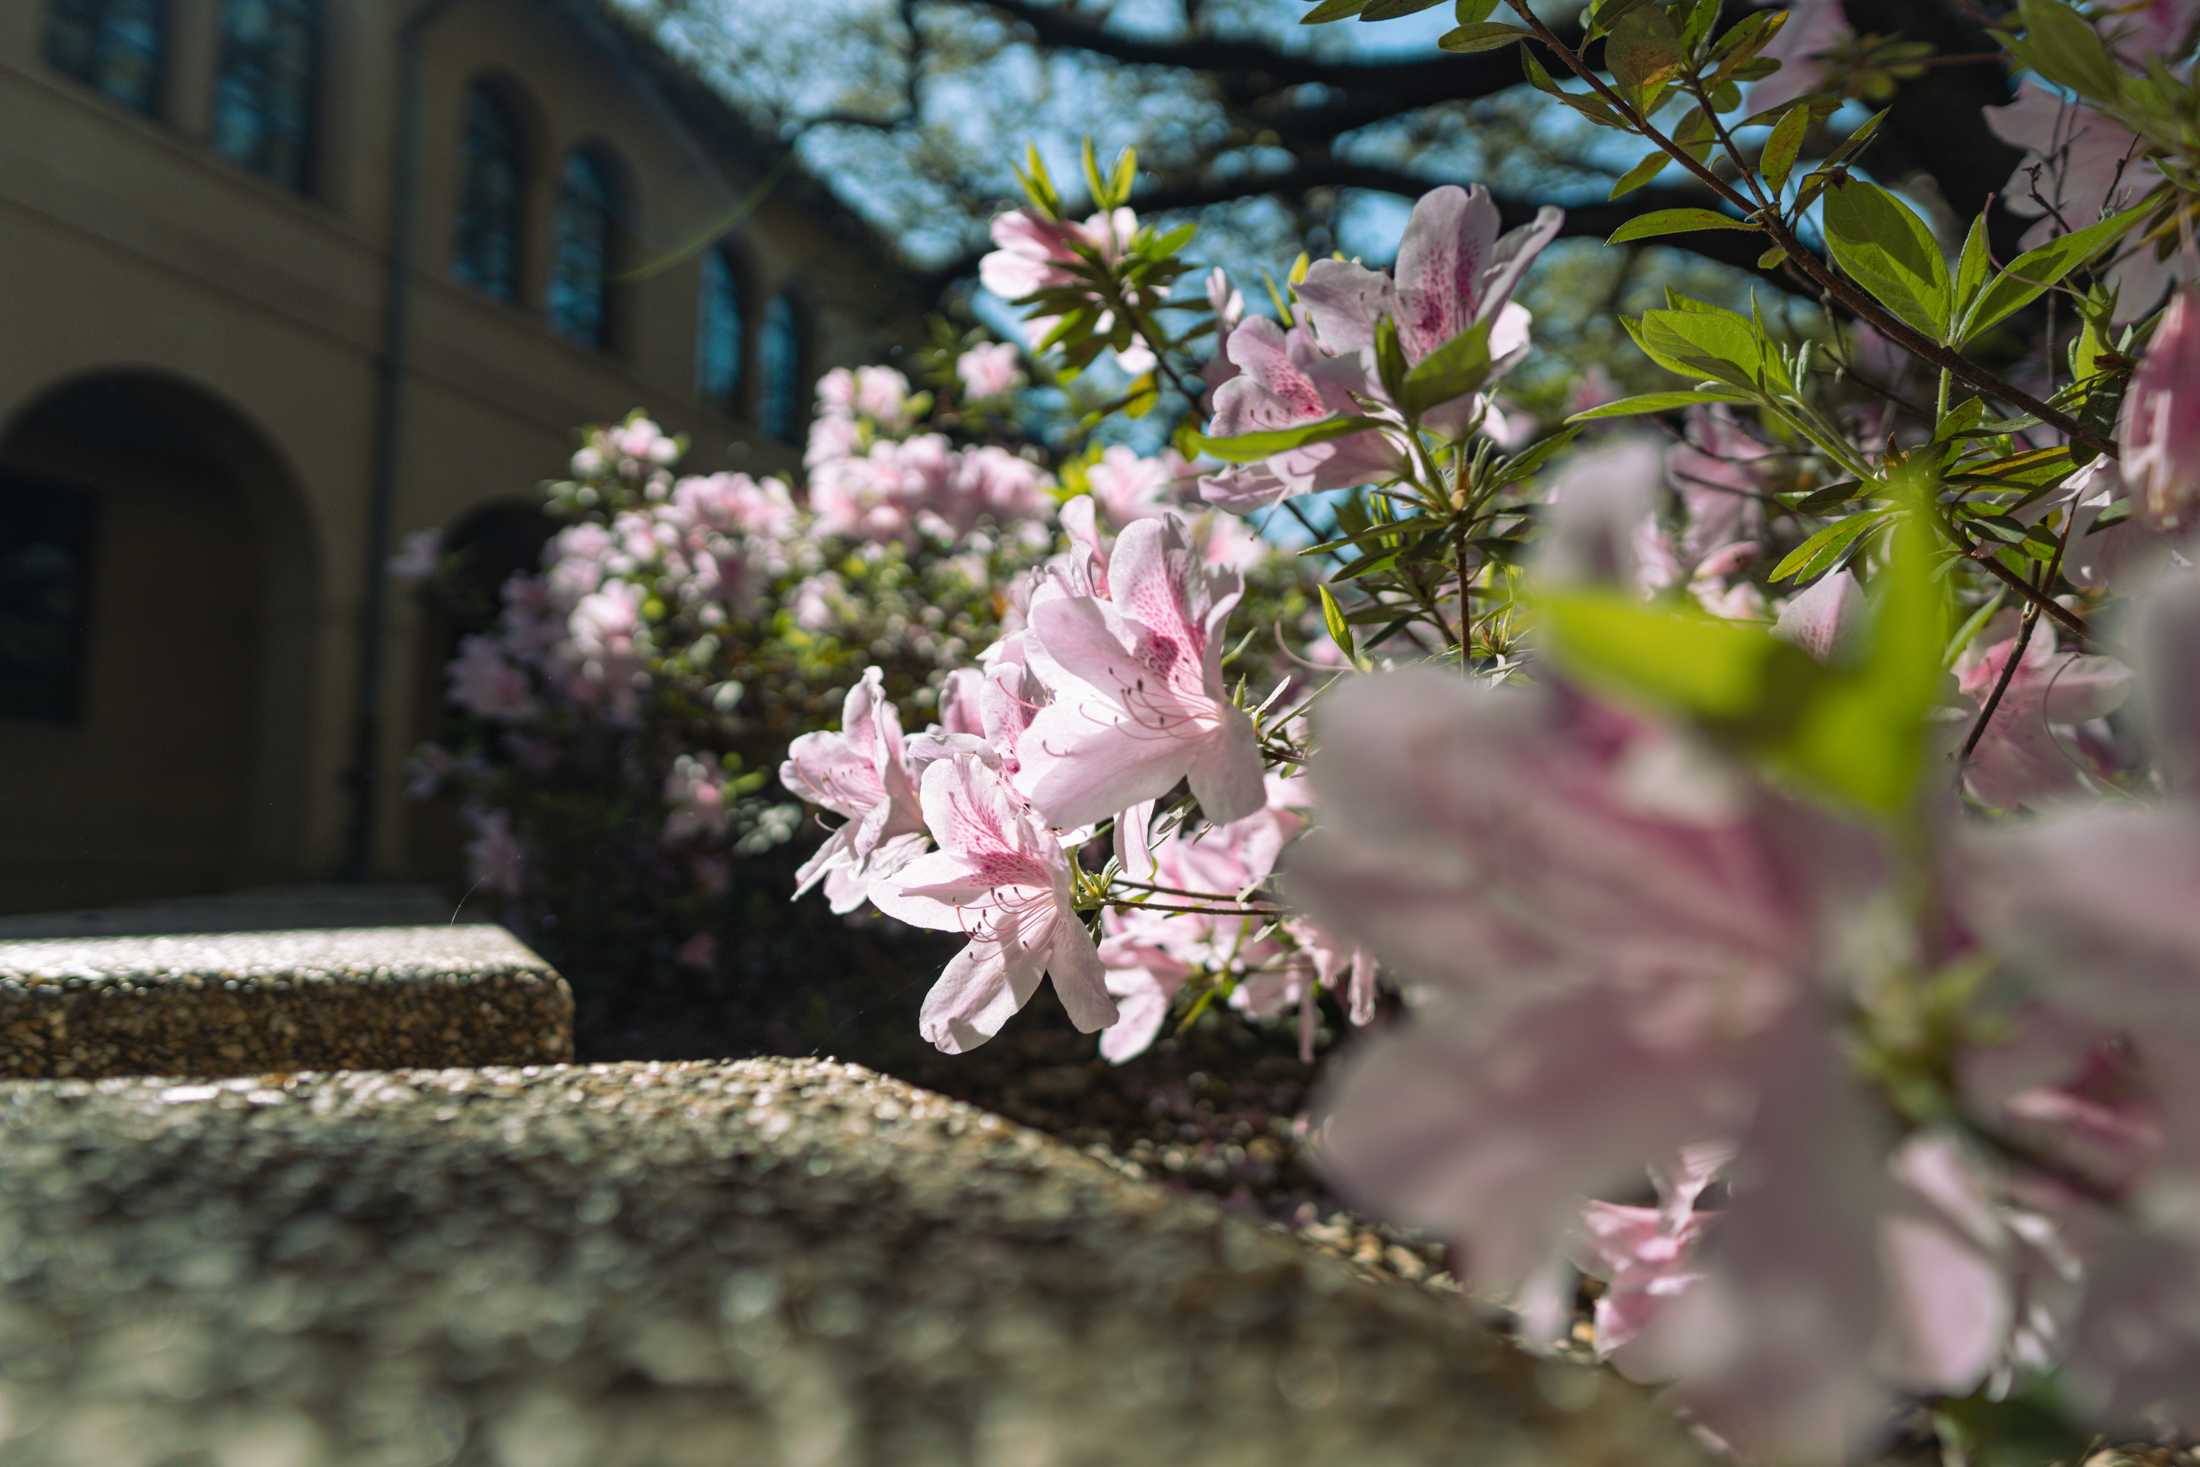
[[482, 549], [157, 642]]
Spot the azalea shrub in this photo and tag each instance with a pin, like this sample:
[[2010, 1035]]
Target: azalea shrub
[[1767, 801], [618, 720]]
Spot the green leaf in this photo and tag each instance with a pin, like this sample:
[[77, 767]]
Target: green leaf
[[1883, 246], [1817, 555], [1784, 147], [1644, 52], [1330, 10], [1485, 35], [1097, 186], [1699, 342], [1972, 267], [1458, 367], [1126, 174], [1650, 167], [1393, 9], [1673, 221], [1390, 359], [1473, 12], [1654, 402], [2031, 274], [1340, 630], [1246, 448], [1857, 736], [2065, 48]]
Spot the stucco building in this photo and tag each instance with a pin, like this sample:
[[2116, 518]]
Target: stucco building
[[283, 280]]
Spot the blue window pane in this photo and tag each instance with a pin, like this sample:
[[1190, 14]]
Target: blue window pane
[[719, 345], [264, 95], [580, 274], [781, 353], [46, 536], [114, 45], [490, 198]]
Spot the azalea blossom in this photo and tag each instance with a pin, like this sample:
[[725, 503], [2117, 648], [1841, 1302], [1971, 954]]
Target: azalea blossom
[[2081, 166], [989, 369], [1139, 701], [2159, 431], [2028, 753], [1286, 380], [1814, 29], [1035, 253], [1454, 270], [858, 773], [1001, 877]]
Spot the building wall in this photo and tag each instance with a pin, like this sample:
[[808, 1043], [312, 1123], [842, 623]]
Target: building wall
[[130, 253]]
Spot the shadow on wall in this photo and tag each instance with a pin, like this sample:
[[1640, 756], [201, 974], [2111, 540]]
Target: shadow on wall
[[158, 585]]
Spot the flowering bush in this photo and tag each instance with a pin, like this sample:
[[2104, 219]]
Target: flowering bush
[[1791, 821], [620, 716]]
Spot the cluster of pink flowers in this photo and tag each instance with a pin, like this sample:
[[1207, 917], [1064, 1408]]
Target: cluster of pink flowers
[[1106, 696], [1638, 974], [868, 484], [1455, 270], [1034, 253]]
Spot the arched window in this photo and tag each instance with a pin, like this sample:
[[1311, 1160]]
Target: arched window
[[783, 350], [491, 196], [721, 330], [586, 251], [117, 46], [265, 94]]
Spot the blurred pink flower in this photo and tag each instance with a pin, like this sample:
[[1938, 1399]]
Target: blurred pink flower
[[495, 861], [990, 369], [1814, 28], [2021, 760], [487, 684], [2159, 432]]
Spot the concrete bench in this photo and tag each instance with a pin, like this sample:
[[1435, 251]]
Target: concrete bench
[[252, 1002], [759, 1262]]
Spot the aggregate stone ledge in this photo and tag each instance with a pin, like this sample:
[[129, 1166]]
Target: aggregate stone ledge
[[762, 1262], [254, 1002]]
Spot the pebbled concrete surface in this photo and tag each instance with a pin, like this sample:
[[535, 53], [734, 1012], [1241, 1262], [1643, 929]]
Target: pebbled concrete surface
[[762, 1262], [246, 1002]]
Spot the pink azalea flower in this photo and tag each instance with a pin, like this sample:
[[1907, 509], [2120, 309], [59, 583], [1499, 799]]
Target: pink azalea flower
[[1826, 619], [1002, 877], [696, 798], [1128, 487], [699, 952], [858, 773], [1287, 380], [2159, 431], [1036, 253], [1454, 270], [2150, 28], [1814, 28], [2080, 167], [487, 684], [1647, 1255], [495, 860], [1139, 701], [990, 369], [2022, 759], [1713, 471]]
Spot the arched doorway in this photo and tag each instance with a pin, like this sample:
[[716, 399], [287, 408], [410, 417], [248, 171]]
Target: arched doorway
[[157, 588]]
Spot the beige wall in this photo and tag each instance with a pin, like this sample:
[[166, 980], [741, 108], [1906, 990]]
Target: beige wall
[[127, 247]]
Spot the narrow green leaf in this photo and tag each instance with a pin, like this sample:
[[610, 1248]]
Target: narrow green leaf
[[1393, 9], [1486, 35], [1650, 167], [1330, 10], [1654, 402], [1815, 556], [1246, 448], [1784, 147], [1673, 221], [2033, 273], [1340, 630], [1972, 267]]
